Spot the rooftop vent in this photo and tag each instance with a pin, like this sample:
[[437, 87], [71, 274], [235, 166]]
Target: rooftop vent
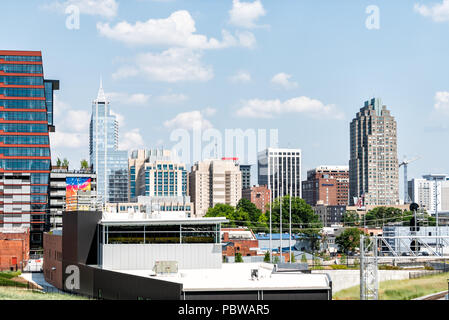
[[165, 267]]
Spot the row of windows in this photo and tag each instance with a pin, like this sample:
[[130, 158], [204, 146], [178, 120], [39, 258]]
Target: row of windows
[[39, 189], [40, 178], [26, 81], [24, 139], [21, 68], [25, 116], [23, 104], [22, 58], [25, 152], [19, 164], [22, 92], [23, 127]]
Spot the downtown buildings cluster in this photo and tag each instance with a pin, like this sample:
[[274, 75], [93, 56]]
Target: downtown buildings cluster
[[33, 193]]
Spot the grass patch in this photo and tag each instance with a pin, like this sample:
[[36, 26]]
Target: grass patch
[[400, 289], [9, 274], [11, 293], [339, 266]]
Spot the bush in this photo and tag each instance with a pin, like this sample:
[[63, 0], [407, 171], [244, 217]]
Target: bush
[[267, 257], [388, 267], [304, 258], [338, 266], [238, 257]]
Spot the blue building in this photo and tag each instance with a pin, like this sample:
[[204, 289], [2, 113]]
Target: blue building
[[110, 164]]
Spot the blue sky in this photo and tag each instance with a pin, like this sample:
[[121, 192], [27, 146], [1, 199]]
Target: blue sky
[[309, 64]]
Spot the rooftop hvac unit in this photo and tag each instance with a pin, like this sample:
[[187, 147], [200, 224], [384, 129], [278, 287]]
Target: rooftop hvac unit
[[162, 267]]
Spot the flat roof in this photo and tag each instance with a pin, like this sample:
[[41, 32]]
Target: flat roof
[[237, 277], [142, 219]]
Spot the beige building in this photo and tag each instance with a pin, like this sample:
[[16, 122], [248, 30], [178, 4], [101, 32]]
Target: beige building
[[373, 164], [214, 181], [154, 173]]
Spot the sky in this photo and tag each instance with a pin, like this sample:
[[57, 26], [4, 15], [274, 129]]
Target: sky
[[304, 68]]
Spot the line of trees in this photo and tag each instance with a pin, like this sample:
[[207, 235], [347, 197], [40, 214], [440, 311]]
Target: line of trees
[[380, 216]]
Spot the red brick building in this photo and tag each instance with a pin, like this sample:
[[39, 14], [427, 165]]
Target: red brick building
[[327, 185], [53, 258], [259, 195], [239, 240], [14, 248]]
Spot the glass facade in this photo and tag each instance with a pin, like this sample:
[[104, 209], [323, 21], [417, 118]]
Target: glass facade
[[25, 109], [161, 234], [110, 164]]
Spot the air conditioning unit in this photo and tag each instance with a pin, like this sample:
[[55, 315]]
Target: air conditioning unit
[[165, 267]]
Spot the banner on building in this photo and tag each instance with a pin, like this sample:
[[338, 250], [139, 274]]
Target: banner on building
[[75, 184]]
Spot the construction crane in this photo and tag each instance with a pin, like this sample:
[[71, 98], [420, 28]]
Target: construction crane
[[405, 163]]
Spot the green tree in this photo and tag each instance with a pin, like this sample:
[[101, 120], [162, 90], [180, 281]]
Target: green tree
[[65, 163], [303, 258], [276, 260], [349, 239], [303, 216], [267, 257], [292, 258], [351, 218], [250, 208], [58, 162], [84, 164], [238, 257], [236, 217]]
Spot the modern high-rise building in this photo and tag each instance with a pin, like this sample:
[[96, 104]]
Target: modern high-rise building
[[212, 182], [280, 170], [246, 175], [327, 185], [153, 173], [110, 164], [373, 164], [26, 118], [431, 192]]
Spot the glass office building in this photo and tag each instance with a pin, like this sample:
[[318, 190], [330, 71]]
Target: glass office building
[[110, 164], [26, 118]]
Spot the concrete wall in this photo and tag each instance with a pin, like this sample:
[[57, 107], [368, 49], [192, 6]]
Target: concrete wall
[[143, 256], [342, 279]]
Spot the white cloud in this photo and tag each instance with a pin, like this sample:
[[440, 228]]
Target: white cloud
[[442, 102], [178, 30], [72, 126], [119, 117], [131, 140], [126, 98], [257, 108], [245, 14], [173, 98], [209, 112], [283, 79], [172, 65], [439, 12], [241, 77], [105, 8], [188, 121], [61, 139]]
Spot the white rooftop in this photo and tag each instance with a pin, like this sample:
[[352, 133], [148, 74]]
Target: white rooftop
[[237, 277]]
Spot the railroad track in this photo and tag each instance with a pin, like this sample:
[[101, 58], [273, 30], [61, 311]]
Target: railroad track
[[435, 296]]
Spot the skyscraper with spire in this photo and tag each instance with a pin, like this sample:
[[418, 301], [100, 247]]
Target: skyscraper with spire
[[110, 164]]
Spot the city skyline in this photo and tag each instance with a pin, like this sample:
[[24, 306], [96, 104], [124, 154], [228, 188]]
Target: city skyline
[[409, 78]]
